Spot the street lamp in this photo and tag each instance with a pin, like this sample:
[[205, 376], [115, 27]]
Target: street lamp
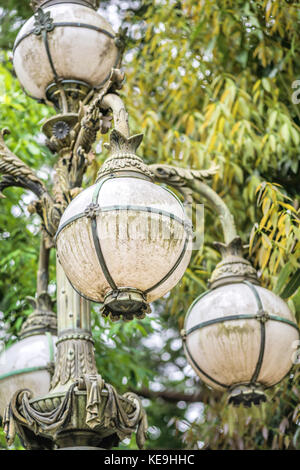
[[123, 242], [239, 336], [65, 48], [29, 363]]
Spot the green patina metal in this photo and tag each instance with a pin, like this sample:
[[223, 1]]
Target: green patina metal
[[35, 4], [240, 317], [96, 239], [22, 371]]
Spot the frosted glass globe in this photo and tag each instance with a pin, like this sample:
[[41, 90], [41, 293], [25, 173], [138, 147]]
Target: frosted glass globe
[[142, 232], [24, 365], [80, 43], [226, 353]]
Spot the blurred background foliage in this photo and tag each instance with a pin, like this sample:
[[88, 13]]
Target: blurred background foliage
[[206, 82]]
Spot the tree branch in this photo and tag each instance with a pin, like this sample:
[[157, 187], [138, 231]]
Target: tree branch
[[174, 397]]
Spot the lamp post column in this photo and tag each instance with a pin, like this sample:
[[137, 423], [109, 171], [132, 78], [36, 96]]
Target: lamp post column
[[75, 345]]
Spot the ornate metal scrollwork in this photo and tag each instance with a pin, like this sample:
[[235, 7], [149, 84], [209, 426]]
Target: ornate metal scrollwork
[[43, 22], [233, 267], [123, 155], [94, 406], [181, 178], [72, 136], [42, 318]]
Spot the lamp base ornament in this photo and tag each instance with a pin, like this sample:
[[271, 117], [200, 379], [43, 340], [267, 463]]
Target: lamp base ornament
[[91, 414], [126, 303], [233, 268], [246, 394]]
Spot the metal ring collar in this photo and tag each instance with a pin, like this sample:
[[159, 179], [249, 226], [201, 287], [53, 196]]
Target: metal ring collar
[[260, 315]]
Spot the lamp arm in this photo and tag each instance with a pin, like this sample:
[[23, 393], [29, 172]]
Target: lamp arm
[[16, 173], [217, 203], [43, 268], [189, 182], [115, 103], [233, 267]]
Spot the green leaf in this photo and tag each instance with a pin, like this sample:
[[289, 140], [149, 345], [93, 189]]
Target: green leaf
[[292, 286], [282, 278]]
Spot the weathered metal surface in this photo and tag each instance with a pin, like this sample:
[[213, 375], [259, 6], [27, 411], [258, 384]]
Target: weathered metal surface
[[35, 4]]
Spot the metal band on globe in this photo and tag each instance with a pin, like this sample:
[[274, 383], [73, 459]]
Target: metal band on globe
[[125, 208], [166, 277], [188, 353], [187, 350], [97, 243], [66, 24], [22, 371]]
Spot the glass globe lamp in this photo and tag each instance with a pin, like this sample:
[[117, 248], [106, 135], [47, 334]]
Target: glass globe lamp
[[65, 44], [26, 364], [240, 337], [125, 242]]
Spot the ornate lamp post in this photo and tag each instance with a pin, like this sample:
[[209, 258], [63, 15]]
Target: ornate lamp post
[[123, 242]]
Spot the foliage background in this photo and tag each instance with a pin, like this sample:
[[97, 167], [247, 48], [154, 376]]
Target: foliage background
[[207, 82]]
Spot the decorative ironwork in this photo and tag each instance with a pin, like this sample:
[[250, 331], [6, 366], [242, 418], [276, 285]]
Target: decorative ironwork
[[42, 319], [181, 179], [123, 156], [233, 267], [92, 210], [17, 173], [43, 22], [121, 39], [69, 95], [75, 358], [35, 4], [125, 303], [246, 395], [61, 130], [100, 416]]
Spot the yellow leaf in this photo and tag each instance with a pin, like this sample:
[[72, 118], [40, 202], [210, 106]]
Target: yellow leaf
[[235, 128], [256, 85], [287, 206], [221, 124], [190, 125]]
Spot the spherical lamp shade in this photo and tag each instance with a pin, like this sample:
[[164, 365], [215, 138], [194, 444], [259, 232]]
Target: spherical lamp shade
[[26, 365], [124, 241], [240, 338], [62, 43]]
